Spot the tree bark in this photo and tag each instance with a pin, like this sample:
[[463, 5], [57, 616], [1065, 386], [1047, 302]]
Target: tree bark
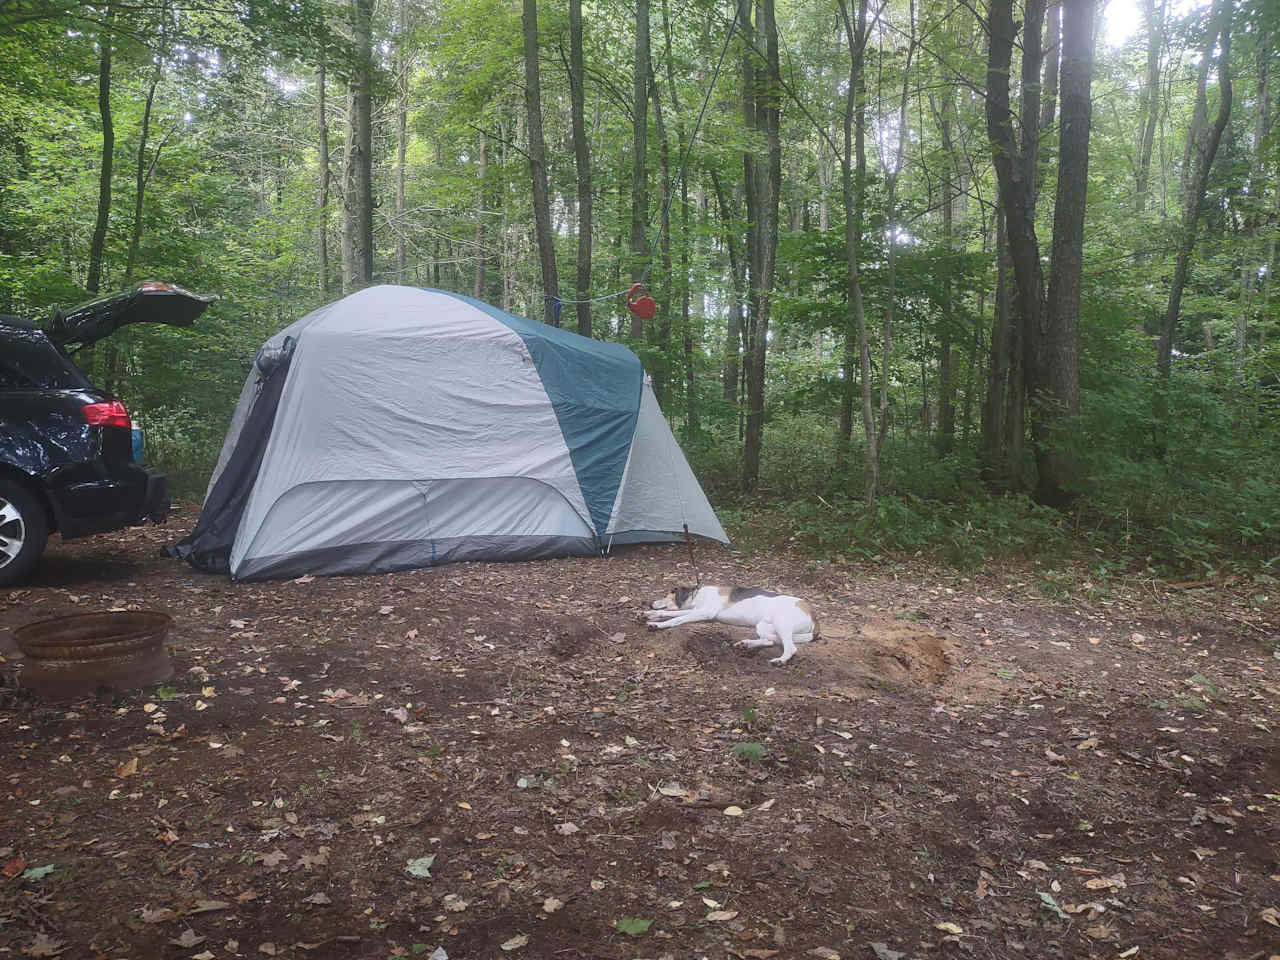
[[322, 191], [768, 115], [946, 388], [1149, 102], [853, 178], [1059, 381], [1217, 33], [662, 336], [402, 133], [349, 268], [364, 142], [477, 288], [639, 156], [737, 276], [98, 244], [582, 158], [538, 166]]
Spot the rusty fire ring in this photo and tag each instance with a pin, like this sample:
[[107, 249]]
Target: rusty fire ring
[[69, 656]]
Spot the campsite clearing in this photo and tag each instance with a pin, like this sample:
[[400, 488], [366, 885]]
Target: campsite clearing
[[498, 760]]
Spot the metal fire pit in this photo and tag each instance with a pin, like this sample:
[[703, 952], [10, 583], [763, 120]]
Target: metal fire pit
[[70, 656]]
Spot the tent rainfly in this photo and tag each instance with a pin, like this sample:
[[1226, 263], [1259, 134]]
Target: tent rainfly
[[401, 427]]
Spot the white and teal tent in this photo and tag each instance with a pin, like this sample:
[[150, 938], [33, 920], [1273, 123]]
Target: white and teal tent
[[402, 427]]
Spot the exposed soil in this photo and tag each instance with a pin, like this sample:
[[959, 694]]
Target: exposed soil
[[959, 768]]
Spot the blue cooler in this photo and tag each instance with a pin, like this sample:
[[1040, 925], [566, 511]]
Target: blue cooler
[[136, 437]]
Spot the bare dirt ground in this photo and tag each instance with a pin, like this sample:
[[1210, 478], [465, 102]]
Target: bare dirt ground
[[961, 769]]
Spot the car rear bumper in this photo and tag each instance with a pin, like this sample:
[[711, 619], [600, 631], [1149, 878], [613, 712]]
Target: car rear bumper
[[129, 496]]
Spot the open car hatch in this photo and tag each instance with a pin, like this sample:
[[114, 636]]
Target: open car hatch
[[151, 302]]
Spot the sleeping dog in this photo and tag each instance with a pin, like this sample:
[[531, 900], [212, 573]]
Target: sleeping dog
[[778, 619]]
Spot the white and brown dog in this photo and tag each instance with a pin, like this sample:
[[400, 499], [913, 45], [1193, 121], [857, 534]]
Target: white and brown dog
[[778, 618]]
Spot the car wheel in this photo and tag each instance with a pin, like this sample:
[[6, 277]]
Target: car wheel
[[24, 529]]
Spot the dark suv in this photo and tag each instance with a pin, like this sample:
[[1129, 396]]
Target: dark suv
[[68, 457]]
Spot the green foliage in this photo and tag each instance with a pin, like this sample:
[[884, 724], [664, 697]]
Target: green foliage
[[749, 752]]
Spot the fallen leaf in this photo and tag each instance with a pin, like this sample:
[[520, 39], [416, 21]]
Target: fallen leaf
[[672, 789], [274, 858], [1087, 744], [188, 939], [454, 903], [1128, 953], [1098, 932], [1270, 915], [14, 867], [718, 916], [755, 953], [163, 915], [420, 867], [203, 955], [948, 927], [516, 942], [733, 811], [566, 829], [633, 926], [826, 953], [883, 952], [44, 946], [126, 769], [438, 954], [1052, 904], [319, 898], [269, 949], [551, 905], [37, 873]]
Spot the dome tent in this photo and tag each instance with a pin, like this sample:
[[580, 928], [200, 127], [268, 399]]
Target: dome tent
[[400, 427]]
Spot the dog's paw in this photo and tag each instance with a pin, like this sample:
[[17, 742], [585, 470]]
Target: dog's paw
[[779, 661]]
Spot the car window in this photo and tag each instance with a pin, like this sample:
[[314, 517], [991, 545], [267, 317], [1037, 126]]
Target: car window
[[28, 361]]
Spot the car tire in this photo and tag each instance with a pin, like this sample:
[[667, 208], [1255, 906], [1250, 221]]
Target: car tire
[[24, 530]]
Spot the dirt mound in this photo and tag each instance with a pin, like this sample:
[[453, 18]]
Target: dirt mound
[[854, 656]]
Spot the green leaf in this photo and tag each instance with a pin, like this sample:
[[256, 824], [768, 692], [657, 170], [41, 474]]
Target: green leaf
[[1007, 673], [420, 867], [166, 693], [751, 752], [633, 926], [1052, 904], [37, 873]]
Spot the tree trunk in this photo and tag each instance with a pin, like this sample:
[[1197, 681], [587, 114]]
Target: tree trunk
[[322, 191], [737, 276], [946, 389], [1217, 33], [538, 167], [639, 156], [582, 158], [364, 142], [143, 175], [1149, 102], [1058, 399], [662, 336], [349, 268], [98, 244], [1016, 172], [768, 114], [481, 254], [402, 134], [853, 179], [994, 462]]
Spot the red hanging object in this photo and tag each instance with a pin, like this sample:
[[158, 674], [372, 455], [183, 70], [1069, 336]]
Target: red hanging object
[[642, 306]]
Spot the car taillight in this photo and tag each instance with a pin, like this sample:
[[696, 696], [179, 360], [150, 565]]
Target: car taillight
[[110, 414]]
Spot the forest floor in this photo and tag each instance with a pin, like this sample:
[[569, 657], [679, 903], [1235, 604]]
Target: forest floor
[[963, 768]]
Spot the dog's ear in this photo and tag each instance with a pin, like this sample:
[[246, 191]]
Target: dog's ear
[[682, 594]]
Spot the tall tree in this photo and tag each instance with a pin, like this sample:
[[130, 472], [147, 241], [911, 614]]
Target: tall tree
[[98, 244], [582, 158], [1058, 380], [322, 189], [765, 186], [1149, 100], [640, 155], [1203, 150], [538, 167], [363, 154]]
